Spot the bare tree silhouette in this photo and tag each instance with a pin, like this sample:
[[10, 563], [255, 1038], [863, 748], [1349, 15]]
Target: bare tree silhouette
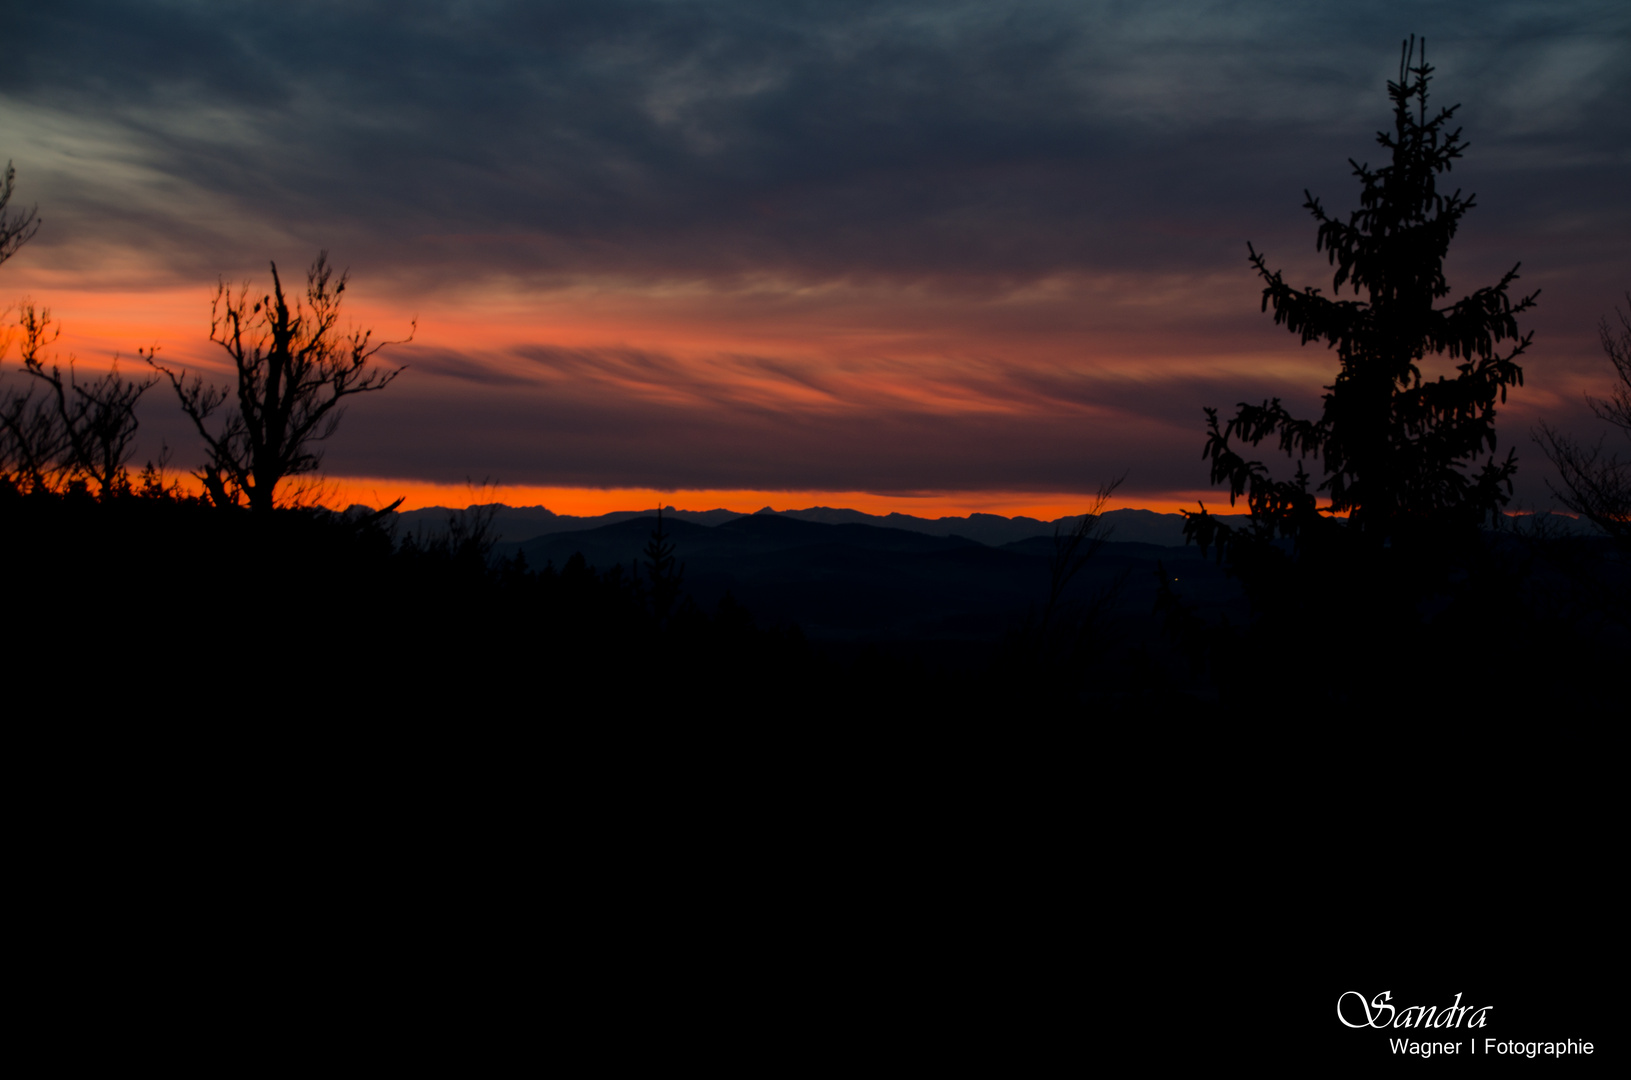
[[28, 431], [76, 432], [294, 369], [31, 435], [1596, 482], [16, 229], [1074, 548]]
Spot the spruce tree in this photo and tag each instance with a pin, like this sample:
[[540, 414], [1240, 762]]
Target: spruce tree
[[1408, 460]]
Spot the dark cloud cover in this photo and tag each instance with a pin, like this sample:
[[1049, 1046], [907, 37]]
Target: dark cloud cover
[[965, 147], [812, 140]]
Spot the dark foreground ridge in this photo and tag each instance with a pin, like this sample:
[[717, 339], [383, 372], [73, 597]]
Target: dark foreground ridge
[[304, 613], [868, 584]]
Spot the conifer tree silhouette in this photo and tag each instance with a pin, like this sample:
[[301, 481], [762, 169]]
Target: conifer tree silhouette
[[1398, 449], [666, 579]]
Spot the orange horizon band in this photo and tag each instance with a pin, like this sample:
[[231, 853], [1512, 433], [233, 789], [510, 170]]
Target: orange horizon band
[[340, 492]]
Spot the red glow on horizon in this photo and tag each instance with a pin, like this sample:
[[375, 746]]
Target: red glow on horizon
[[340, 492], [833, 348]]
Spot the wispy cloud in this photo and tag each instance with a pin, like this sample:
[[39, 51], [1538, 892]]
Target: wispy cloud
[[843, 245], [902, 139]]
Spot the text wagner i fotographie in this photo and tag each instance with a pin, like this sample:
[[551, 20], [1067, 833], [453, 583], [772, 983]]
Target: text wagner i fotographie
[[1380, 1012]]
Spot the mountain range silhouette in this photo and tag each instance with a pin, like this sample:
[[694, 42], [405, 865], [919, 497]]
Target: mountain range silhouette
[[518, 523], [845, 576]]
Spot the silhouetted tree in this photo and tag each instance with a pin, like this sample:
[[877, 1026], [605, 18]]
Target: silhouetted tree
[[28, 434], [1398, 449], [1596, 483], [76, 431], [1074, 548], [665, 579], [16, 229], [468, 537], [1046, 659], [294, 369], [31, 435]]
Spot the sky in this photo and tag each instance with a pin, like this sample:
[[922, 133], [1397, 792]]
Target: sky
[[934, 257]]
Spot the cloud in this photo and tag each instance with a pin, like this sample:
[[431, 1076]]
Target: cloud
[[898, 245], [915, 141], [633, 418]]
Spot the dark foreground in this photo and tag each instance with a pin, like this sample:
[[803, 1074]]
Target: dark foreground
[[199, 611]]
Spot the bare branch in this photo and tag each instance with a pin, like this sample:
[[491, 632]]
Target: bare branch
[[1596, 482], [1616, 408], [294, 369], [16, 229], [73, 431], [1075, 549]]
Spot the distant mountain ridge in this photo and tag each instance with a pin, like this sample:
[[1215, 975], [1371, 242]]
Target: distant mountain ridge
[[847, 576], [860, 581], [516, 524]]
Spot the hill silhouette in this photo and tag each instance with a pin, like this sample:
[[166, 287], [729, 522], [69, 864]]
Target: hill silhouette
[[849, 581], [819, 616], [517, 523]]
